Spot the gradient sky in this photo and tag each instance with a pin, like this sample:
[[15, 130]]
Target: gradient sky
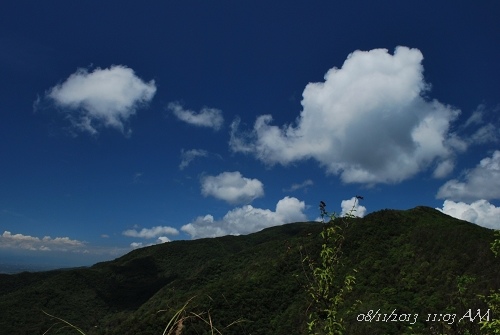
[[125, 123]]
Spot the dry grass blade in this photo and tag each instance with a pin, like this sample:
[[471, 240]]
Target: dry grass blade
[[176, 322], [208, 322], [67, 324]]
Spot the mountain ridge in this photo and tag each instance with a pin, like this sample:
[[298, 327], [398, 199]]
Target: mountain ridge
[[409, 259]]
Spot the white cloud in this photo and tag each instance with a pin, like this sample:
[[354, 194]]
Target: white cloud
[[354, 206], [295, 187], [485, 132], [160, 240], [247, 219], [480, 212], [207, 117], [444, 168], [137, 177], [232, 187], [188, 156], [163, 239], [154, 232], [367, 122], [482, 182], [476, 117], [103, 97], [157, 232], [47, 243]]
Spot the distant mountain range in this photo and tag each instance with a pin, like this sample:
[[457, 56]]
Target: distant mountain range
[[408, 262], [13, 268]]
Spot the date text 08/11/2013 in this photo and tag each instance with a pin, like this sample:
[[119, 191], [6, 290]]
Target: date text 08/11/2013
[[449, 318]]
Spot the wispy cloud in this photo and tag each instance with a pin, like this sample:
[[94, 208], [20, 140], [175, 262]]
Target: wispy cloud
[[187, 156], [207, 117], [47, 243], [485, 132], [481, 182], [296, 187], [246, 219], [232, 187], [368, 122], [102, 98]]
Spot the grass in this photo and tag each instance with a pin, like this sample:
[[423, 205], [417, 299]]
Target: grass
[[175, 325], [65, 324]]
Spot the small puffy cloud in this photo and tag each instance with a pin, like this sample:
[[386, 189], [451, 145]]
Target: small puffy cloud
[[232, 187], [207, 117], [295, 187], [367, 122], [103, 97], [154, 232], [160, 240], [187, 156], [480, 212], [352, 206], [246, 219], [481, 182], [47, 243], [163, 239]]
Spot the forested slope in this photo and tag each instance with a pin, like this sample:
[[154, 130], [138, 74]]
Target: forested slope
[[409, 261]]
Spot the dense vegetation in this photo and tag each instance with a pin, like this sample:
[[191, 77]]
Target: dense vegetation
[[417, 261]]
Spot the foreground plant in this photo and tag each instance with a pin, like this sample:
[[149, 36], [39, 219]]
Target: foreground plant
[[326, 288], [493, 299]]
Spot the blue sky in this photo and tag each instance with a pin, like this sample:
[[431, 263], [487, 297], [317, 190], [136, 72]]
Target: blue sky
[[125, 124]]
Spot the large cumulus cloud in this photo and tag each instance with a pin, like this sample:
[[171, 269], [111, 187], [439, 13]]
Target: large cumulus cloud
[[368, 122]]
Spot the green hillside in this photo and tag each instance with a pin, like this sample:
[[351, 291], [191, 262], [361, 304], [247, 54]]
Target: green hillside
[[409, 261]]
